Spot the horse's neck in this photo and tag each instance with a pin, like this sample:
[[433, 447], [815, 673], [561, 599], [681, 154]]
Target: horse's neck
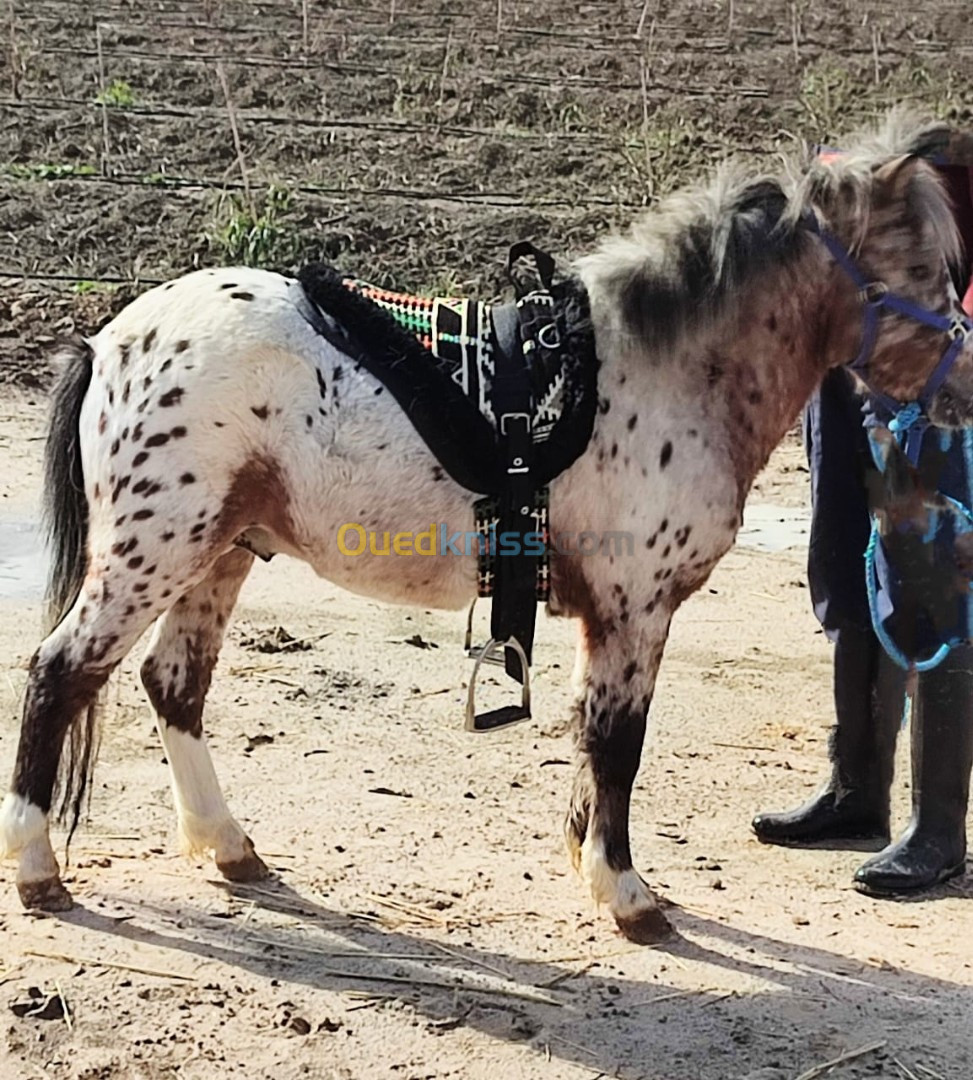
[[743, 379], [776, 352]]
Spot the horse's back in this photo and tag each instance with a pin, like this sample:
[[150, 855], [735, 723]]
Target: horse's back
[[216, 407], [238, 309]]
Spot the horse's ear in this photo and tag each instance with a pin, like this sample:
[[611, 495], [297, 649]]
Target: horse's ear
[[897, 174]]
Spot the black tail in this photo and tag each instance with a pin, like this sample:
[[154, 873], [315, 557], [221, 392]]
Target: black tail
[[65, 519], [65, 505]]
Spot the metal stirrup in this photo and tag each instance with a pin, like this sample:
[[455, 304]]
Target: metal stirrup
[[495, 719]]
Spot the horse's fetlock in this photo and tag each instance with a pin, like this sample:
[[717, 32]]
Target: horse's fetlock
[[21, 824]]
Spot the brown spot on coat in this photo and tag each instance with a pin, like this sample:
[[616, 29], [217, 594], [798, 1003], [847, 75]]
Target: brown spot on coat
[[257, 496], [148, 340], [171, 397], [261, 412], [241, 295], [160, 438]]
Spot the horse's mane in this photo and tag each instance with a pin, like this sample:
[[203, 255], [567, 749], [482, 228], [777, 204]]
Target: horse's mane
[[684, 261]]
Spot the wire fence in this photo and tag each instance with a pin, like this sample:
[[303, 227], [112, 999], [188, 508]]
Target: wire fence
[[571, 115]]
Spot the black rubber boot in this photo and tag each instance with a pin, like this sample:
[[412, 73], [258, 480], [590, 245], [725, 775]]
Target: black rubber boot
[[933, 847], [852, 809]]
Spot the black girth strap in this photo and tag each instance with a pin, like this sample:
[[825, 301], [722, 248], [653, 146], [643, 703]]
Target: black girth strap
[[514, 612]]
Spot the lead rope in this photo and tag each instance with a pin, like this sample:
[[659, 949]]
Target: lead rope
[[896, 655]]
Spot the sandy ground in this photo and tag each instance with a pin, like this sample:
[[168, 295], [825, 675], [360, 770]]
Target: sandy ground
[[426, 922]]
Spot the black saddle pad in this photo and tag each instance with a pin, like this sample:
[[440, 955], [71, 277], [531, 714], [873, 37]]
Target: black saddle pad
[[436, 358]]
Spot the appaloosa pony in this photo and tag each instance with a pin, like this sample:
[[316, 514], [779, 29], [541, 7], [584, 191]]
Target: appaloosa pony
[[211, 408]]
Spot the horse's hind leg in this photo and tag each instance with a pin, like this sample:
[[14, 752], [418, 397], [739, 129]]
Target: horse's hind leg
[[66, 673], [176, 673], [610, 730], [61, 688]]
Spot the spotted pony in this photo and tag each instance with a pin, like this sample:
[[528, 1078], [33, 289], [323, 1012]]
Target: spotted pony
[[211, 419]]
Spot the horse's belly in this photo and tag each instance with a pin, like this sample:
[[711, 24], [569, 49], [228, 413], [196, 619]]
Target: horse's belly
[[396, 535]]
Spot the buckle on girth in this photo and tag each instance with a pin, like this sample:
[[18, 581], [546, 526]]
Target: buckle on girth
[[494, 652]]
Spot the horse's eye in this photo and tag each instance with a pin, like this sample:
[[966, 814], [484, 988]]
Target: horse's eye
[[920, 272]]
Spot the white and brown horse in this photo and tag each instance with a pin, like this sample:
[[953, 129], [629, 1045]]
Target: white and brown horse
[[211, 407]]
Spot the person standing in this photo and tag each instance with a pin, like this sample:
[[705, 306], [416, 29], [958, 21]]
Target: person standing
[[869, 689]]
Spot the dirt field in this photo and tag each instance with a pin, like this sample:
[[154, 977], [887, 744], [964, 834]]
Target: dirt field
[[426, 923]]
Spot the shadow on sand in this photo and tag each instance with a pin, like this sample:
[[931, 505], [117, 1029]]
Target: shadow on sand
[[797, 1005]]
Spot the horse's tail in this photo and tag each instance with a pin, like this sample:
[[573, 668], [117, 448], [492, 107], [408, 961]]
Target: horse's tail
[[65, 520], [65, 515]]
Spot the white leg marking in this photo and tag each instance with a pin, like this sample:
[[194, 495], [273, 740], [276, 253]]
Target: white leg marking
[[205, 822], [601, 879], [21, 823], [23, 833], [625, 893]]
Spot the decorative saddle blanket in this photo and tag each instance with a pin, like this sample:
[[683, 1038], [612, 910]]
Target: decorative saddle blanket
[[450, 363], [503, 395]]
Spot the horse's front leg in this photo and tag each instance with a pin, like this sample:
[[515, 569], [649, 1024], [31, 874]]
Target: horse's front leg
[[611, 719]]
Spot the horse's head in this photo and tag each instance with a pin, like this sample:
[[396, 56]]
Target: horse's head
[[933, 564], [898, 256]]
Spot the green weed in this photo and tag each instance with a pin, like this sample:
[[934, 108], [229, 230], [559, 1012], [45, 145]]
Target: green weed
[[256, 237], [85, 286], [118, 94]]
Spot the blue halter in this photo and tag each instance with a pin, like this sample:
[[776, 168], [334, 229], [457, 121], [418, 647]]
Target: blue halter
[[909, 419]]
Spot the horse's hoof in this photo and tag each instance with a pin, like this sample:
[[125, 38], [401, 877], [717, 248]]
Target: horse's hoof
[[647, 927], [46, 895], [246, 870]]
